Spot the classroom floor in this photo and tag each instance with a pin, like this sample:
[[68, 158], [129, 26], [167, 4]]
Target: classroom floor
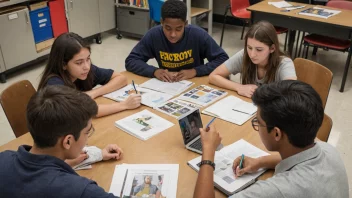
[[112, 53]]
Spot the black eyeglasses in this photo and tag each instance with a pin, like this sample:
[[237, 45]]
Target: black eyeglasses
[[256, 125], [91, 131]]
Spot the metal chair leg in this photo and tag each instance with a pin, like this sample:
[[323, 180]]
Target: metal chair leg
[[244, 25], [315, 49], [286, 39], [297, 43], [223, 25], [300, 46], [307, 50], [345, 72]]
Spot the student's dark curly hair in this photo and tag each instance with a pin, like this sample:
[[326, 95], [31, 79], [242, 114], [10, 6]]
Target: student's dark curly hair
[[175, 9]]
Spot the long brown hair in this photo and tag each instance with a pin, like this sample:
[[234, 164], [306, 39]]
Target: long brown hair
[[263, 32], [65, 47]]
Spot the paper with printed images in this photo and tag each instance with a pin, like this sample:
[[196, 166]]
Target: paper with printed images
[[129, 180], [177, 108], [203, 95], [143, 125], [224, 177], [149, 97]]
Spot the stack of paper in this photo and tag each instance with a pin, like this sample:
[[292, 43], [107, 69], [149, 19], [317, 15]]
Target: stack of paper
[[203, 95], [149, 97], [143, 125], [319, 12], [232, 109], [130, 180], [173, 88], [177, 108], [224, 177], [280, 4]]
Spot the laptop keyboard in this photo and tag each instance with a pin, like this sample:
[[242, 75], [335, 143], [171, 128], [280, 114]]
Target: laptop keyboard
[[197, 145]]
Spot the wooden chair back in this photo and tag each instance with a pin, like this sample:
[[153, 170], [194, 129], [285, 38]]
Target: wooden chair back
[[315, 74], [14, 100], [325, 129]]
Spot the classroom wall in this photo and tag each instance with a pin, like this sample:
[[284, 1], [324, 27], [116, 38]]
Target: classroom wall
[[219, 6]]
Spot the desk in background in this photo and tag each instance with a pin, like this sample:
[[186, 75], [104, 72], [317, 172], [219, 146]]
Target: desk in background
[[164, 148], [338, 26]]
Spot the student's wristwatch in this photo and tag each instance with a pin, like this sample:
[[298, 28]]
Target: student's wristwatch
[[208, 162]]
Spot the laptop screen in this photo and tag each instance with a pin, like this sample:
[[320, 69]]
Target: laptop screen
[[190, 126]]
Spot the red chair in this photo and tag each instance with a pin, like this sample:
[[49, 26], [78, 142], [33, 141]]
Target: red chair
[[319, 41], [239, 10]]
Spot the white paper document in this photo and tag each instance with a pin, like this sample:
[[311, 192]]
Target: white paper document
[[224, 177], [280, 4], [177, 108], [173, 88], [145, 180], [149, 97], [319, 12], [202, 95], [143, 125], [232, 109]]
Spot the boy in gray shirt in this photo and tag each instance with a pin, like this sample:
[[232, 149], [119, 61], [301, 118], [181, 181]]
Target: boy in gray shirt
[[289, 116]]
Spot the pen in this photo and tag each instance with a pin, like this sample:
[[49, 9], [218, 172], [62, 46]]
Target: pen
[[241, 162], [240, 111], [134, 87], [211, 121]]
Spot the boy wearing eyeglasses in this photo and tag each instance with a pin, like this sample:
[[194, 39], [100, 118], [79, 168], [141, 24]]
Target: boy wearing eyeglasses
[[289, 116], [59, 120]]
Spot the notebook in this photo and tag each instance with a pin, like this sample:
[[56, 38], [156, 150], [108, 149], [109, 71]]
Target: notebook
[[224, 177], [173, 88], [177, 108], [232, 109], [129, 179], [202, 95], [149, 97], [319, 12], [143, 125]]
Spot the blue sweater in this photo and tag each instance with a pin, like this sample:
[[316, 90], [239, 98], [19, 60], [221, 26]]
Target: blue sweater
[[23, 174], [190, 52]]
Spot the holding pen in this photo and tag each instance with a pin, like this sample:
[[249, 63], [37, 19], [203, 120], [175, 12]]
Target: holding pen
[[207, 127], [134, 87]]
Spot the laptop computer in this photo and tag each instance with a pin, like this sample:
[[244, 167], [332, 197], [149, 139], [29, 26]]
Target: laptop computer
[[190, 125]]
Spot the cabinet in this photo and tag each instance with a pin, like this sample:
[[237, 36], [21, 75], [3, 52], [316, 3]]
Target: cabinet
[[196, 8], [132, 21], [83, 17], [16, 38], [107, 15]]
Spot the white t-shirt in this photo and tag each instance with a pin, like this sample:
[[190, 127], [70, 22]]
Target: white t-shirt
[[286, 68]]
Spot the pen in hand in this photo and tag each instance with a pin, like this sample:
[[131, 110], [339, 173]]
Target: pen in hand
[[207, 127], [134, 87], [241, 162]]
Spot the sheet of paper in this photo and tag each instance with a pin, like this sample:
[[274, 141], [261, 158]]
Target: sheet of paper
[[280, 4], [143, 125], [173, 88], [129, 180], [224, 109], [202, 95], [177, 108], [223, 174], [149, 97], [319, 12]]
